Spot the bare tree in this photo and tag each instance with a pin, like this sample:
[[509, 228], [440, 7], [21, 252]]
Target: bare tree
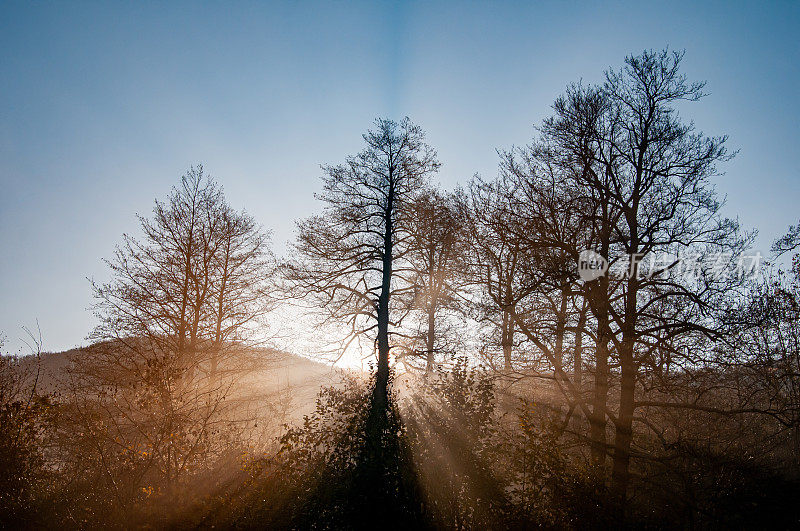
[[550, 219], [554, 218], [436, 256], [240, 288], [352, 260], [181, 300], [765, 353], [653, 172], [617, 171], [494, 262]]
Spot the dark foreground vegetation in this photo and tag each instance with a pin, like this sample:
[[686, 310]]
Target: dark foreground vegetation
[[456, 452], [511, 390]]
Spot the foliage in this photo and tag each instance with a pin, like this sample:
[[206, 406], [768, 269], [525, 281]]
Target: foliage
[[326, 475], [25, 418]]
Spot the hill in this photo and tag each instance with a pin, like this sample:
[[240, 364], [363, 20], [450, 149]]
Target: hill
[[272, 376]]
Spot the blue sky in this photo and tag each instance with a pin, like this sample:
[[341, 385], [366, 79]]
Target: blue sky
[[104, 105]]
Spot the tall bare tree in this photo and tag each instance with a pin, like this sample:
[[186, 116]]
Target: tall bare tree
[[495, 260], [241, 282], [352, 260], [437, 246], [653, 172], [615, 169], [181, 300], [555, 217]]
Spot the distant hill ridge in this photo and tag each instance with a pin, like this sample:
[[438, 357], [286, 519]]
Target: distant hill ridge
[[279, 371]]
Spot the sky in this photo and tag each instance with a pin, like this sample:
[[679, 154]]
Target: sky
[[104, 105]]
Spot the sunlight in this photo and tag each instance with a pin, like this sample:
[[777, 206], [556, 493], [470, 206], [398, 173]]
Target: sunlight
[[466, 266]]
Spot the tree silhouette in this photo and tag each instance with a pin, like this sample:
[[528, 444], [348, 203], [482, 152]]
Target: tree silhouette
[[351, 259], [437, 244], [149, 398]]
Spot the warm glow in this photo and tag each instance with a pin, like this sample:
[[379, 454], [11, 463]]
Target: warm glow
[[399, 265]]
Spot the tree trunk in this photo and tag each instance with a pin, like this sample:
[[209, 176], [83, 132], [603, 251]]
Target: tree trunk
[[561, 328], [380, 399], [578, 358], [220, 311], [622, 440], [506, 338], [620, 475], [597, 419], [430, 339]]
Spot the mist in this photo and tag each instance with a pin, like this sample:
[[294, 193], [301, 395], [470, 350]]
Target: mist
[[586, 336]]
